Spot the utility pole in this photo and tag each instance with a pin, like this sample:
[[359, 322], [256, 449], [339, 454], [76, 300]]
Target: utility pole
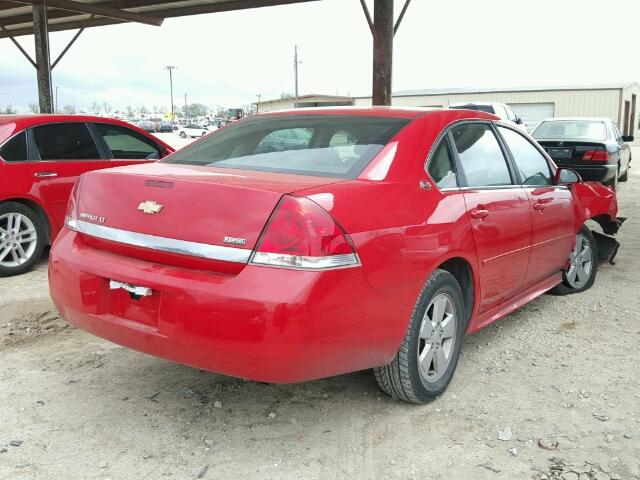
[[185, 106], [295, 72], [258, 104], [56, 108], [43, 59], [171, 68]]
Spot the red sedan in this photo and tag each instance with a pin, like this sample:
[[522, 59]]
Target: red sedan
[[303, 244], [41, 156]]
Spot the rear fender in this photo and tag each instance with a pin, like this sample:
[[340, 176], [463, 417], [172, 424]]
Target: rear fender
[[594, 201]]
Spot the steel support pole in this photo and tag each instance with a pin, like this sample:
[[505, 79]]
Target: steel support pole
[[382, 51], [43, 60]]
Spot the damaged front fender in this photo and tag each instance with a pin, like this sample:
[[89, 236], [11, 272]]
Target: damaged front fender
[[594, 201]]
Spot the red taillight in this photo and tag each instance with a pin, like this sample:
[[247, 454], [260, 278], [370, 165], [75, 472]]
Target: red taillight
[[596, 156], [301, 234], [71, 216]]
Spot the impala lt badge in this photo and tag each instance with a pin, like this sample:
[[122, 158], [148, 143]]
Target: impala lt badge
[[91, 217], [150, 207], [235, 240]]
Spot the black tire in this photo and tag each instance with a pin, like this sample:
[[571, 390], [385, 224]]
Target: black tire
[[402, 378], [183, 135], [566, 287], [41, 238]]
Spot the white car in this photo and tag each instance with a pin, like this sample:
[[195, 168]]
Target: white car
[[502, 110], [192, 130]]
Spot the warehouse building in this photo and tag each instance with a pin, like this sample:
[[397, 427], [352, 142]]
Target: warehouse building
[[615, 101]]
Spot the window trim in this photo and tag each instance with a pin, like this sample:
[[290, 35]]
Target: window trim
[[105, 151], [26, 139], [31, 144], [462, 180], [442, 137], [512, 159]]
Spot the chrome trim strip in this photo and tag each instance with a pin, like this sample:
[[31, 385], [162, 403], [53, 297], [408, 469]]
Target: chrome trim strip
[[171, 245], [301, 262]]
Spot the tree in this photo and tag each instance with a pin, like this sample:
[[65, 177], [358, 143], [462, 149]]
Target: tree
[[34, 108], [69, 109], [143, 110], [196, 110], [8, 110], [106, 106], [286, 95], [129, 111], [95, 108]]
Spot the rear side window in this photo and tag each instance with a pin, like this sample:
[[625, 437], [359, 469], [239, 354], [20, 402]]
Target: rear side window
[[321, 145], [65, 141], [15, 150], [481, 158], [533, 167], [441, 167], [128, 144]]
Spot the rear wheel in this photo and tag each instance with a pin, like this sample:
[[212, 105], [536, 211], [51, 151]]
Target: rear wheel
[[583, 265], [625, 176], [428, 355], [183, 135], [22, 237]]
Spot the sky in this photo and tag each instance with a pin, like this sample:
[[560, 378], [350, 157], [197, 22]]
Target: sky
[[230, 58]]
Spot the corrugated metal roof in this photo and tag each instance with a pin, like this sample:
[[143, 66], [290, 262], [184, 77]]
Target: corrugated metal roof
[[452, 91], [17, 19]]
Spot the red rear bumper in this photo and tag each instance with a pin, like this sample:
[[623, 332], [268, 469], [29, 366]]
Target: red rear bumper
[[264, 324]]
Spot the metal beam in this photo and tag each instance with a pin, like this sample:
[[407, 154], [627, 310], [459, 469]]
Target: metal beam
[[365, 9], [97, 9], [43, 68], [71, 42], [22, 50], [399, 21], [382, 51]]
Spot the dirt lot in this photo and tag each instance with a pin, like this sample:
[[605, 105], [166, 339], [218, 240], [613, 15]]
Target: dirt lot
[[552, 391]]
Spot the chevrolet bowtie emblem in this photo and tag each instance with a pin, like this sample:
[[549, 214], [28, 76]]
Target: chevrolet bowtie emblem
[[150, 207]]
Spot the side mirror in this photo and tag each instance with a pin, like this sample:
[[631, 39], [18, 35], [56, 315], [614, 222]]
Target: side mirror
[[518, 121], [627, 138], [566, 176]]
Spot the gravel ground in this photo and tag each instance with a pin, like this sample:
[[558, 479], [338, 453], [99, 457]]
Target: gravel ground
[[552, 391]]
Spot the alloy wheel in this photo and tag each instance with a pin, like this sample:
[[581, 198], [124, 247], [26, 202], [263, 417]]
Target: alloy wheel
[[18, 239], [580, 263], [437, 338]]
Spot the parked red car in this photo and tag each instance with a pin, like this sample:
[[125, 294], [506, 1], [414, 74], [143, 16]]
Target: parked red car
[[41, 156], [303, 244]]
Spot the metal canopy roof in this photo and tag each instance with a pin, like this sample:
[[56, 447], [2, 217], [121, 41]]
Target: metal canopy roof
[[16, 17]]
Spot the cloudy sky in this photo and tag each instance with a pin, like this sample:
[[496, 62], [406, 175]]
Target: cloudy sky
[[229, 58]]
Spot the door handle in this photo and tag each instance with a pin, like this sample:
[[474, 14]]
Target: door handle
[[45, 174], [479, 213]]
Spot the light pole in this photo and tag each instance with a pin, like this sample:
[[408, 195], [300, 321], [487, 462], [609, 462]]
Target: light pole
[[171, 68], [185, 106], [258, 104], [56, 108], [295, 72]]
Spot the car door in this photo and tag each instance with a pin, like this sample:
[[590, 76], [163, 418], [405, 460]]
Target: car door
[[624, 151], [498, 211], [62, 152], [551, 207]]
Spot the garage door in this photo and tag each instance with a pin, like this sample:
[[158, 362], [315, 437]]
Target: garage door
[[533, 113]]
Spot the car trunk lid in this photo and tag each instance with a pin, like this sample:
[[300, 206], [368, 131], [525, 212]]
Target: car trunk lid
[[571, 152], [180, 210]]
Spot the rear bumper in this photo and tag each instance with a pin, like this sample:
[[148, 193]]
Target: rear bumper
[[265, 324], [601, 173]]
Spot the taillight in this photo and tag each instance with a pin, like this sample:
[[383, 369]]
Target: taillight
[[301, 234], [596, 156], [71, 216]]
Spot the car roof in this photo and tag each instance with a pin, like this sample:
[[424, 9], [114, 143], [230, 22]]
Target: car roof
[[11, 124], [573, 119], [487, 104], [396, 112]]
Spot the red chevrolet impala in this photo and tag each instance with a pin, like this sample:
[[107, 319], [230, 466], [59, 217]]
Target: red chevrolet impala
[[41, 156], [302, 244]]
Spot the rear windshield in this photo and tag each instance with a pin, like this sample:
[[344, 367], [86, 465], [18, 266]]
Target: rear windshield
[[471, 106], [320, 145], [587, 129]]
